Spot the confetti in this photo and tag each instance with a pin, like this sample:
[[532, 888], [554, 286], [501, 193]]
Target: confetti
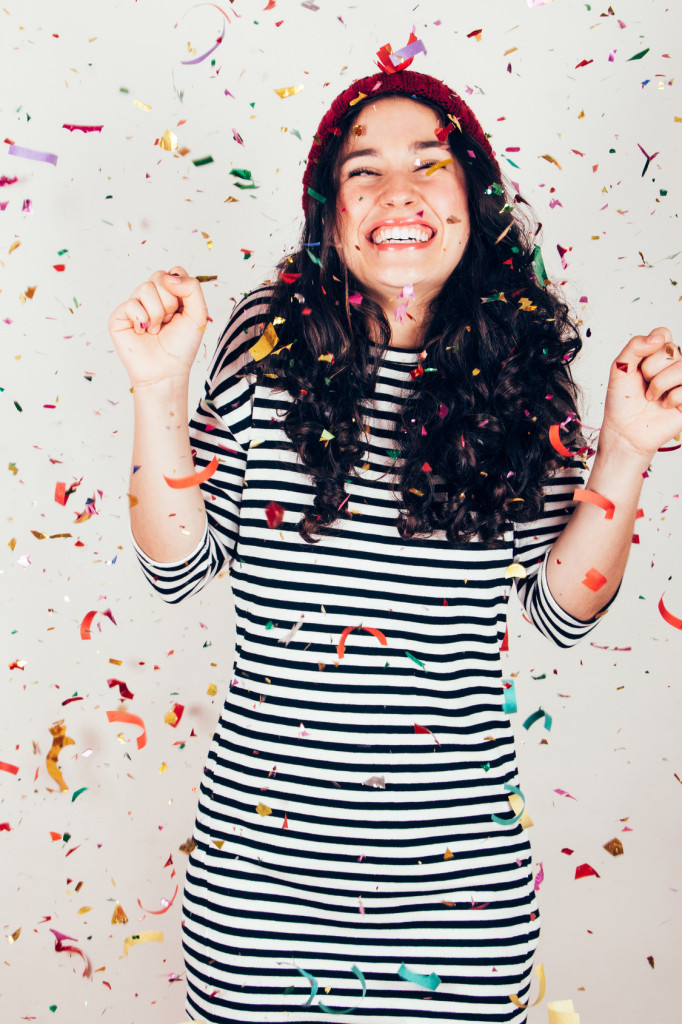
[[422, 729], [13, 769], [671, 619], [274, 514], [509, 705], [593, 498], [555, 441], [517, 817], [267, 342], [540, 972], [87, 622], [437, 166], [536, 716], [263, 809], [165, 905], [61, 948], [562, 1012], [33, 154], [122, 687], [127, 718], [135, 940], [516, 570], [291, 90], [594, 580], [361, 978], [193, 479], [59, 740], [584, 870], [341, 646], [430, 981]]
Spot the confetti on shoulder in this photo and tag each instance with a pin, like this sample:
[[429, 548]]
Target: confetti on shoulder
[[194, 478]]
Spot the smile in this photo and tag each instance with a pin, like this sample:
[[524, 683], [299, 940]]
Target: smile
[[409, 235]]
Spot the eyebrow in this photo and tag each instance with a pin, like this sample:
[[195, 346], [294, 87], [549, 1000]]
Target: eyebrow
[[416, 147]]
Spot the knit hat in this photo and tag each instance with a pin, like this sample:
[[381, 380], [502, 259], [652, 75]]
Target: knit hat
[[411, 83]]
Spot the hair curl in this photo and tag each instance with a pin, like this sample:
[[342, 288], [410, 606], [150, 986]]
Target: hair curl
[[486, 432]]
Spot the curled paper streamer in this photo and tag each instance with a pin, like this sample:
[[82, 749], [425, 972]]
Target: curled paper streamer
[[126, 717], [509, 703], [313, 985], [540, 971], [671, 619], [518, 806], [33, 154], [134, 940], [87, 622], [517, 817], [562, 1012], [194, 478], [61, 948], [351, 1009], [536, 716], [169, 904], [341, 646], [556, 443], [198, 60], [59, 740], [430, 981], [593, 498]]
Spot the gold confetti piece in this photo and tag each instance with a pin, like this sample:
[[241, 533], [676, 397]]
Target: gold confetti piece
[[436, 167], [265, 344], [170, 718], [614, 847], [132, 500], [448, 855], [142, 106], [119, 915], [562, 1012], [540, 971], [516, 805], [212, 689], [168, 141], [263, 810], [163, 768], [134, 940], [551, 160], [360, 96], [85, 910], [219, 843], [515, 569], [14, 936], [188, 846], [289, 91], [59, 740]]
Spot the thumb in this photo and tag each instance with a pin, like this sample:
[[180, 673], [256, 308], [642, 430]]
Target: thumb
[[638, 348], [189, 290]]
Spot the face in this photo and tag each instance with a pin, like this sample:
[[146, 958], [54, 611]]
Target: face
[[397, 224]]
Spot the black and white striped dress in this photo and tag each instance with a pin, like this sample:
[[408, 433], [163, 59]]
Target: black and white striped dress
[[345, 831]]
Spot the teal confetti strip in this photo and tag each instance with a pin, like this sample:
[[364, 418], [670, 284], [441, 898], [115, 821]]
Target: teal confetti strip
[[509, 703], [78, 792], [510, 821], [638, 56], [314, 258], [415, 660], [17, 406], [430, 981], [203, 160], [351, 1009], [321, 199], [536, 716], [539, 268], [313, 985]]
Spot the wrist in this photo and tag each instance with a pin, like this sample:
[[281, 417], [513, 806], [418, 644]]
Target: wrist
[[617, 452]]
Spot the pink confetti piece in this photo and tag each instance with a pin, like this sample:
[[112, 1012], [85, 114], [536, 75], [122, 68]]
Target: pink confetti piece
[[84, 127], [33, 154]]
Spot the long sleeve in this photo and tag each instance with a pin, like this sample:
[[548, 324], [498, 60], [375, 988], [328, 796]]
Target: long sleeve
[[532, 545], [220, 426]]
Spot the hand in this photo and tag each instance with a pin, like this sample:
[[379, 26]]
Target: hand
[[158, 330], [644, 398]]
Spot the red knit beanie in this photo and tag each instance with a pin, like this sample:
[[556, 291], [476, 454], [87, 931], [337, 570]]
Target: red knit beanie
[[411, 83]]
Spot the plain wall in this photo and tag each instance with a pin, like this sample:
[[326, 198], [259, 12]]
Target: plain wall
[[115, 208]]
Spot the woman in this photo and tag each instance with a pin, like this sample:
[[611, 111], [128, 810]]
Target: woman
[[381, 419]]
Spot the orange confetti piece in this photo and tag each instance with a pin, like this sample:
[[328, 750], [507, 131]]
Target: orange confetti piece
[[194, 479], [127, 718], [11, 768], [59, 740], [555, 441], [340, 647], [593, 498], [671, 619], [594, 579], [87, 622]]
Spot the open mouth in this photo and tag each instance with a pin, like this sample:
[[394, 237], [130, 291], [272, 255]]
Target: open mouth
[[412, 234]]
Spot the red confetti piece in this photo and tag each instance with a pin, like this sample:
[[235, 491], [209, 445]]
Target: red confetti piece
[[60, 493], [567, 850], [11, 768], [129, 719], [340, 647], [61, 948], [669, 448], [274, 514], [505, 642], [442, 133], [585, 870], [671, 619], [123, 688], [169, 904], [593, 498], [178, 711], [87, 622], [422, 728], [285, 823], [83, 127], [594, 579], [288, 277], [70, 700], [386, 64], [194, 478], [5, 826], [623, 367]]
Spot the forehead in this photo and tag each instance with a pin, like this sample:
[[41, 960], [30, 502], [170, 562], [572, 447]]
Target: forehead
[[395, 118]]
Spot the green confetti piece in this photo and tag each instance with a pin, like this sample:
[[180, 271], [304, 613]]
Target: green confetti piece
[[536, 716], [394, 453], [430, 981], [494, 189], [486, 766], [203, 160], [415, 660], [539, 268], [269, 625], [239, 184], [53, 1008], [361, 978], [509, 702], [638, 56], [511, 821], [78, 792], [313, 985], [314, 258], [326, 435], [321, 199], [17, 406], [295, 131], [241, 172]]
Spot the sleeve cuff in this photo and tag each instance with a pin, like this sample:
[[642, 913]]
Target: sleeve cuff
[[153, 564], [551, 619]]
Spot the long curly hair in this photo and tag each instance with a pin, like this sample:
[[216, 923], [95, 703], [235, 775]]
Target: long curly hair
[[473, 436]]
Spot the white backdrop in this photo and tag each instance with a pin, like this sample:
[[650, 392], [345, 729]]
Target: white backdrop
[[79, 234]]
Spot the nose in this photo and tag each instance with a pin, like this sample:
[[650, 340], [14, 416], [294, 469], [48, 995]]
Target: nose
[[398, 190]]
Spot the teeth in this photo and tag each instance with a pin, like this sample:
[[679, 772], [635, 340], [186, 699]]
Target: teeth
[[411, 233]]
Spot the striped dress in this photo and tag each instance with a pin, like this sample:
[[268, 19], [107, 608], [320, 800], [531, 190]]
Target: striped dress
[[356, 849]]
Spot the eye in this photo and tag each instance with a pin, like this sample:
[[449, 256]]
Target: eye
[[424, 166], [360, 170]]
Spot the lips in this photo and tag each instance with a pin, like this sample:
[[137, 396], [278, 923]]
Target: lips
[[395, 232]]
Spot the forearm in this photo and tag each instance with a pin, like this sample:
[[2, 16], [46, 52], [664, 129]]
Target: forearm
[[166, 522], [590, 541]]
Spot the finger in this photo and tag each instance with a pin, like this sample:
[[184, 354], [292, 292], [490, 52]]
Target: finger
[[188, 291], [147, 294], [638, 348], [130, 314], [664, 358], [664, 381]]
